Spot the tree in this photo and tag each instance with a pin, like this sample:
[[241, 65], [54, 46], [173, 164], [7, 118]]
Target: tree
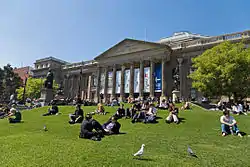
[[33, 88], [223, 70], [9, 82]]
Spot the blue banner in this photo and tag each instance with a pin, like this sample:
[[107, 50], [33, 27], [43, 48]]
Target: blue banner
[[158, 77]]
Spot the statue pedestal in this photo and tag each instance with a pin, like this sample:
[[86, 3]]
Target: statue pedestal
[[46, 95], [176, 96]]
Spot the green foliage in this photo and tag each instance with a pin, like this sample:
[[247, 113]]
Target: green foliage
[[9, 82], [223, 70], [33, 88], [166, 144]]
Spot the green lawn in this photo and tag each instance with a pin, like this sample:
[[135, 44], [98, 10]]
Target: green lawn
[[26, 144]]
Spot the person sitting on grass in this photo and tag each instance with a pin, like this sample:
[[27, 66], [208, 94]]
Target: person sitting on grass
[[228, 124], [14, 115], [52, 111], [163, 105], [100, 109], [77, 117], [111, 126], [3, 112], [173, 114], [120, 112], [130, 112], [87, 129], [186, 106], [151, 114]]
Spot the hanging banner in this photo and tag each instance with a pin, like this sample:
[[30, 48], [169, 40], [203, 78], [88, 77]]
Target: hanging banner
[[110, 82], [126, 81], [136, 80], [147, 79], [118, 82], [94, 81], [102, 82], [158, 77]]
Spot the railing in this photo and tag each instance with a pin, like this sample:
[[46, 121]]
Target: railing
[[79, 64], [212, 40]]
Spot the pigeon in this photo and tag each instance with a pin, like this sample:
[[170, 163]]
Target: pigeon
[[190, 151], [45, 128], [140, 152]]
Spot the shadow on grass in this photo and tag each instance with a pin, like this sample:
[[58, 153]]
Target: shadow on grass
[[158, 117], [182, 120]]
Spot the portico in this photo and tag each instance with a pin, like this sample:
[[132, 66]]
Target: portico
[[128, 69]]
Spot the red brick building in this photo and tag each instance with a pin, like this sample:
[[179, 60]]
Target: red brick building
[[23, 72]]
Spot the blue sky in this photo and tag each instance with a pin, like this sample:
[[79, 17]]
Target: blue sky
[[76, 30]]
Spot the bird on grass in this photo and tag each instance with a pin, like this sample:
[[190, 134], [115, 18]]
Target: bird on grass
[[140, 152], [45, 128], [190, 151]]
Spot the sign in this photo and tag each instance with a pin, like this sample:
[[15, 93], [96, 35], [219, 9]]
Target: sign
[[136, 80], [102, 82], [147, 79], [126, 81], [158, 77], [118, 82]]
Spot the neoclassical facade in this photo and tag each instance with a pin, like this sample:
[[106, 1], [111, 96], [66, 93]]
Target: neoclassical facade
[[139, 68]]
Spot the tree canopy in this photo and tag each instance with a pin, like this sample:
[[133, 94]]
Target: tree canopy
[[33, 88], [223, 70], [9, 82]]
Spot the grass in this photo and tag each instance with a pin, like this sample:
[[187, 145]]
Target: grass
[[26, 144]]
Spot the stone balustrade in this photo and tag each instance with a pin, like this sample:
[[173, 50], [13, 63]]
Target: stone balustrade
[[79, 64], [212, 40]]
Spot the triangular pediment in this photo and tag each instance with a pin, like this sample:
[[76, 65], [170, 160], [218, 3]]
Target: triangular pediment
[[128, 46]]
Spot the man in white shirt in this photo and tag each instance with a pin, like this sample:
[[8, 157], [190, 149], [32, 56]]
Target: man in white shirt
[[228, 124]]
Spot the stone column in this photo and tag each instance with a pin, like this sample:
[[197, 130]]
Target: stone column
[[113, 95], [152, 78], [122, 94], [180, 61], [131, 84], [98, 78], [164, 78], [106, 84], [141, 84], [89, 88]]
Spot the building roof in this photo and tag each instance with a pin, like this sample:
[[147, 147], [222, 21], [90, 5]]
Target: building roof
[[51, 58], [181, 36]]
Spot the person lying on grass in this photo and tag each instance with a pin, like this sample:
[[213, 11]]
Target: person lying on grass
[[173, 114], [87, 127], [14, 115], [77, 117], [52, 111], [111, 126], [228, 124]]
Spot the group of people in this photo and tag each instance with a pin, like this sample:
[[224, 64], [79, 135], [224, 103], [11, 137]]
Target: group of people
[[13, 114]]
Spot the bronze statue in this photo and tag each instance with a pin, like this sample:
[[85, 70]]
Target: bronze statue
[[49, 80]]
